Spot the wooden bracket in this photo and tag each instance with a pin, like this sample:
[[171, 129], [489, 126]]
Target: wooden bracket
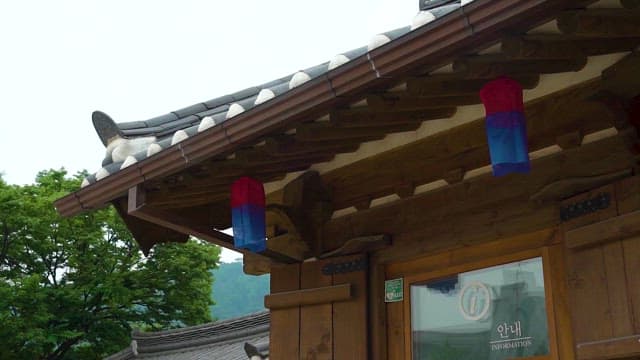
[[171, 220], [306, 206]]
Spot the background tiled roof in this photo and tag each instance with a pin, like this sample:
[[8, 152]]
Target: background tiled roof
[[217, 340]]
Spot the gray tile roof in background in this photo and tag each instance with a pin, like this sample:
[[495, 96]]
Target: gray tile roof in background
[[137, 140], [217, 340]]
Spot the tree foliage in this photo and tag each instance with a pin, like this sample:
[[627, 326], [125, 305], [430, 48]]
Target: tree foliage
[[75, 288]]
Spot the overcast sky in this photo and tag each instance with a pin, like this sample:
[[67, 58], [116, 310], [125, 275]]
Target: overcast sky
[[136, 59]]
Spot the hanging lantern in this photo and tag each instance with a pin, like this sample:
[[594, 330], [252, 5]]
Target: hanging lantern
[[506, 126], [248, 214]]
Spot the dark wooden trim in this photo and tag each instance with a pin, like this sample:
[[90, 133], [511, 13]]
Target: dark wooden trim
[[323, 295], [604, 231]]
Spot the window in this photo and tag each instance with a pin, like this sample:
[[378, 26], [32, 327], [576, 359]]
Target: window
[[493, 313]]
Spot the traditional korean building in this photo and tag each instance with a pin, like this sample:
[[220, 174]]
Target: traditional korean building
[[462, 188]]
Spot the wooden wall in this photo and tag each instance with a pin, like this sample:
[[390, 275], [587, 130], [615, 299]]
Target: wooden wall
[[322, 325], [603, 261], [593, 265]]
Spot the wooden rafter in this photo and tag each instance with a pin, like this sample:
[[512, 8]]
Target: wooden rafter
[[456, 85], [368, 117], [324, 131], [399, 102], [285, 145]]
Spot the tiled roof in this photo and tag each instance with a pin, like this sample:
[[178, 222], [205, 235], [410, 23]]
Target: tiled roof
[[217, 340], [130, 142]]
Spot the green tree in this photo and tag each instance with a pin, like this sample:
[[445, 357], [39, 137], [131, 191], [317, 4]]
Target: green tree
[[75, 288]]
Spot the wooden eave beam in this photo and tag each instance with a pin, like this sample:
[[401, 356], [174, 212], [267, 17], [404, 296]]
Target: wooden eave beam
[[169, 219]]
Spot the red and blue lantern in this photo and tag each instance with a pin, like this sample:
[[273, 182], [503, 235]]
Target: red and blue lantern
[[248, 214], [506, 126]]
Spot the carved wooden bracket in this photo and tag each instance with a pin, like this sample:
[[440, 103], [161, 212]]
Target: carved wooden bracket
[[306, 206], [138, 208]]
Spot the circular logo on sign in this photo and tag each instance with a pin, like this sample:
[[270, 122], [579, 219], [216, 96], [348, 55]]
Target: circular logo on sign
[[474, 301]]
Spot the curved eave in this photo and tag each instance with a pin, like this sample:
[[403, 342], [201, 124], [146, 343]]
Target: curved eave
[[460, 31]]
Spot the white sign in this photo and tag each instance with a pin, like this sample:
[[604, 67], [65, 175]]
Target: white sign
[[474, 301]]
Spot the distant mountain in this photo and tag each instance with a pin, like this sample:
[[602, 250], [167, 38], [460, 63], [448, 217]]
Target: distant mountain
[[235, 293]]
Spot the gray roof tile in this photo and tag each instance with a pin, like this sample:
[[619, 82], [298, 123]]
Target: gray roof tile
[[159, 120], [219, 101], [243, 94], [218, 110], [355, 52], [142, 131], [132, 125], [217, 340], [190, 110]]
